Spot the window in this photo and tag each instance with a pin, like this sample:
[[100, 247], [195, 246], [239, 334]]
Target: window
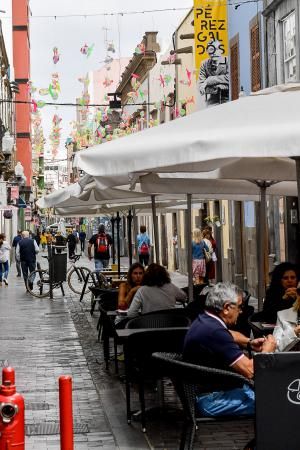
[[234, 68], [255, 57], [289, 47]]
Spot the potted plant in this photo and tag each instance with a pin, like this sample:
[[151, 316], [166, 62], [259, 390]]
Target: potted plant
[[213, 220]]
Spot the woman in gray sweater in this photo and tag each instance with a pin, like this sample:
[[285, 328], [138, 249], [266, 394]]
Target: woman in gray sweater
[[157, 292]]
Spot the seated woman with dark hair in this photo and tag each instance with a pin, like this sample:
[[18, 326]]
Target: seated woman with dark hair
[[157, 292], [282, 291], [128, 289]]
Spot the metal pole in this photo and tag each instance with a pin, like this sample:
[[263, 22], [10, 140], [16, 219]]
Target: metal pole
[[113, 239], [297, 160], [129, 221], [262, 242], [118, 219], [66, 413], [189, 246], [155, 225]]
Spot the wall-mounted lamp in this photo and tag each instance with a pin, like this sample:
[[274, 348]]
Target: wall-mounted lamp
[[7, 143]]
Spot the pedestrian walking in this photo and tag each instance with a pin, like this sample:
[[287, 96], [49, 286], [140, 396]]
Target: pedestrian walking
[[4, 259], [143, 243], [71, 240], [199, 248], [82, 237], [37, 237], [212, 245], [27, 250], [175, 246], [101, 243], [43, 240], [15, 242]]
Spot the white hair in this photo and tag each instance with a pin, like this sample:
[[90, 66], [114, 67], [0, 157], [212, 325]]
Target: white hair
[[222, 293], [25, 234]]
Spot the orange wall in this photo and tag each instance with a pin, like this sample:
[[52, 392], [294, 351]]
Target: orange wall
[[21, 57], [21, 54]]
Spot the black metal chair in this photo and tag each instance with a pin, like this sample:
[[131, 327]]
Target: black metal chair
[[139, 365], [108, 301], [192, 380], [160, 319], [256, 330]]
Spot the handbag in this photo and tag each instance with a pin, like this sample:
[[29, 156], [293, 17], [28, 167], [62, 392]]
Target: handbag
[[207, 255]]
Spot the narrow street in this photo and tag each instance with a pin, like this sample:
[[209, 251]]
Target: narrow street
[[43, 339]]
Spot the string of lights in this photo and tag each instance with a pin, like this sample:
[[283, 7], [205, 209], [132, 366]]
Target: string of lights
[[90, 105], [235, 3]]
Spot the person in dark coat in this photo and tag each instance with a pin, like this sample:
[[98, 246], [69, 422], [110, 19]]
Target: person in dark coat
[[82, 237], [15, 242], [72, 241], [26, 252]]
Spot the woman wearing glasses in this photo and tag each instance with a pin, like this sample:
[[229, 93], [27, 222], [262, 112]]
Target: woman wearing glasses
[[282, 291]]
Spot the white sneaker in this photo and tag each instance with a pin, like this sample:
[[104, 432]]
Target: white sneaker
[[5, 281]]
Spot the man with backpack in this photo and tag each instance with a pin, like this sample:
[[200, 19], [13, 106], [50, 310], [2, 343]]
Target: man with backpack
[[143, 243], [101, 242]]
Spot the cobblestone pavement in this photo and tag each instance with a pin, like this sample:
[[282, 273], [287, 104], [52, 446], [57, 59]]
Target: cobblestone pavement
[[43, 339]]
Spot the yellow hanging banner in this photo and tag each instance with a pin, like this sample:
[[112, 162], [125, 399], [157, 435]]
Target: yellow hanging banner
[[211, 50]]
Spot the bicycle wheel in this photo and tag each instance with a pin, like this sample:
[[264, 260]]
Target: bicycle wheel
[[38, 283], [76, 278]]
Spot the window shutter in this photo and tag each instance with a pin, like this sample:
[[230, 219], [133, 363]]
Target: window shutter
[[255, 58], [234, 70]]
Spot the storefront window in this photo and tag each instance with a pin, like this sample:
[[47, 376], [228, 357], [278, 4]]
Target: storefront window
[[289, 47]]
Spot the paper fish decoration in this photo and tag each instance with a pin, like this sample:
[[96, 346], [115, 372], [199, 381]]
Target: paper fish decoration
[[44, 91], [140, 48], [55, 55], [107, 82], [162, 81], [171, 58], [189, 76], [90, 50], [187, 82], [87, 50], [84, 49], [33, 106], [167, 79], [41, 103]]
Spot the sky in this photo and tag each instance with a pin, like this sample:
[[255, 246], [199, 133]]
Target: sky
[[69, 34]]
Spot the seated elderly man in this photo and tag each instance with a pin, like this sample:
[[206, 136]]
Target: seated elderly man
[[209, 340]]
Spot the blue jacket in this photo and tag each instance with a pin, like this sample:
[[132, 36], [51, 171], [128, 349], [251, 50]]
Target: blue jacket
[[197, 250]]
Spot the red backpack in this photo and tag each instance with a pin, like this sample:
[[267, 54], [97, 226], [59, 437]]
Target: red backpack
[[144, 249], [102, 243]]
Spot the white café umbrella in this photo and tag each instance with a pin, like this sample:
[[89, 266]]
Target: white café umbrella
[[209, 184], [251, 138], [259, 126]]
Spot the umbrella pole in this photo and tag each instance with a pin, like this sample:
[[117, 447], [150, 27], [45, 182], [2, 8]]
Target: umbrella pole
[[113, 239], [297, 160], [118, 219], [155, 226], [129, 231], [262, 242], [189, 246]]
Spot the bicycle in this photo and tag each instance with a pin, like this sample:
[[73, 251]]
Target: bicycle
[[39, 280]]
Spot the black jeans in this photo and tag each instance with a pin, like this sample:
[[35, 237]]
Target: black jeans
[[144, 259], [82, 244], [27, 266]]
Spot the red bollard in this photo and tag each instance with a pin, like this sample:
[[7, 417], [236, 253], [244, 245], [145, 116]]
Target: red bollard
[[12, 421], [66, 413]]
